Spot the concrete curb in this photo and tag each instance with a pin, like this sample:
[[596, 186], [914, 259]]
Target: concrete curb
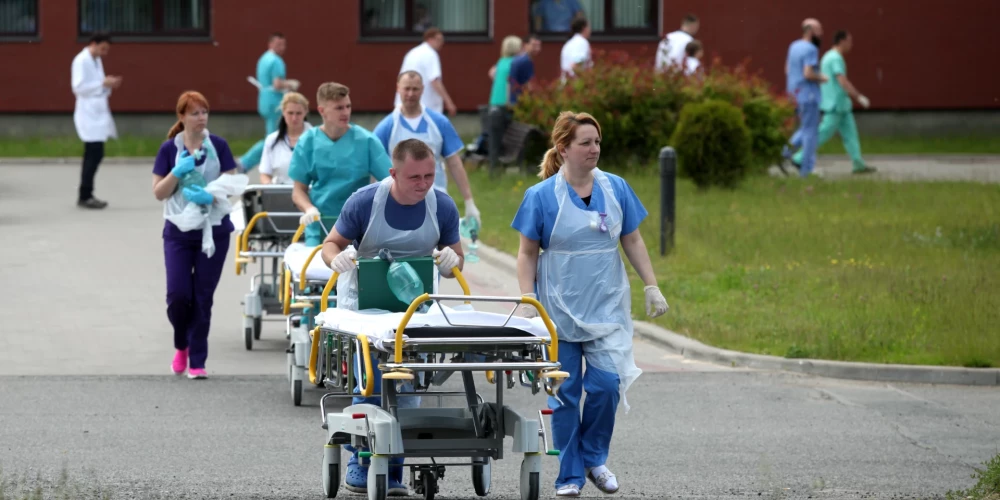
[[693, 349]]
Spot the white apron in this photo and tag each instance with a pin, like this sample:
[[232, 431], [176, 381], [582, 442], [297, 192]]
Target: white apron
[[583, 285], [419, 242], [188, 216], [432, 137]]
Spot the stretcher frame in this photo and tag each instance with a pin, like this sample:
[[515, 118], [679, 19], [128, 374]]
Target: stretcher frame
[[299, 299], [475, 431], [268, 231]]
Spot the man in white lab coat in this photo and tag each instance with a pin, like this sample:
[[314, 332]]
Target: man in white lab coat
[[92, 115]]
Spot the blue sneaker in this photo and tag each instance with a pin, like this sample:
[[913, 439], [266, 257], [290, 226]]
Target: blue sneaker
[[396, 486], [356, 479]]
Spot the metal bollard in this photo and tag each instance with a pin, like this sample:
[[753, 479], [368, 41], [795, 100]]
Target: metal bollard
[[668, 198], [495, 137]]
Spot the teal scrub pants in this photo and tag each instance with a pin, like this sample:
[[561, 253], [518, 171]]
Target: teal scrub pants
[[251, 158], [843, 123]]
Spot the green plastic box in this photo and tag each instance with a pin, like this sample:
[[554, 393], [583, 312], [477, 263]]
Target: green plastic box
[[373, 285]]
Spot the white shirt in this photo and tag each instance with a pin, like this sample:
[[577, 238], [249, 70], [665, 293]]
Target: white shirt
[[691, 65], [277, 157], [424, 60], [92, 114], [672, 49], [575, 51]]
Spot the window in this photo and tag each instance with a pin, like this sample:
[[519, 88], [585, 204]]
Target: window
[[606, 17], [409, 18], [144, 18], [18, 18]]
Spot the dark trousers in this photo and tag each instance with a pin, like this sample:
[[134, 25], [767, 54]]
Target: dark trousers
[[93, 153], [191, 281]]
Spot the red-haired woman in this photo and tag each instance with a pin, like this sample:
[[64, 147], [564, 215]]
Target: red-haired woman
[[192, 275]]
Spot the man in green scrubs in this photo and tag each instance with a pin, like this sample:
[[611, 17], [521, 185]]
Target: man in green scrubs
[[332, 161], [836, 105]]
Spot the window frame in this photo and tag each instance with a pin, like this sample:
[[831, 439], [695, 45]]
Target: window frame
[[368, 35], [158, 34], [612, 34], [25, 36]]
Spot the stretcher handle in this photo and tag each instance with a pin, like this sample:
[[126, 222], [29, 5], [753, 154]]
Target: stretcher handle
[[243, 242], [368, 387], [325, 297], [286, 305], [313, 355], [302, 275], [298, 233]]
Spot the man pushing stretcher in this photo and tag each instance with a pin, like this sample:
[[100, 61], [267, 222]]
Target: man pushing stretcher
[[406, 215]]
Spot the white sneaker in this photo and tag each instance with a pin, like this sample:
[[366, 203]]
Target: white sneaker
[[603, 479], [569, 490]]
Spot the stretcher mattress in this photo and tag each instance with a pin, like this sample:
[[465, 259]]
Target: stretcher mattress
[[295, 257], [381, 325]]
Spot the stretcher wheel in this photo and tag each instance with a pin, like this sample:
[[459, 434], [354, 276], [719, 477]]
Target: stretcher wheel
[[531, 470], [481, 476], [257, 326], [331, 471], [248, 337], [378, 478], [296, 387], [430, 485]]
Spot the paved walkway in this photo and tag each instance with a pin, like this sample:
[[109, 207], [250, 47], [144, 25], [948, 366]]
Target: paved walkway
[[973, 168]]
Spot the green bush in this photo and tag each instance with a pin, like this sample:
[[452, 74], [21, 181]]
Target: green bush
[[713, 144], [638, 108]]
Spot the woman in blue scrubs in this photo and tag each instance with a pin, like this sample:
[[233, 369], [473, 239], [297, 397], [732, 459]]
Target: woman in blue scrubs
[[578, 215]]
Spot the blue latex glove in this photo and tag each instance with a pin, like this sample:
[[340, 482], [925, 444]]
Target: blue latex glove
[[184, 165], [197, 194]]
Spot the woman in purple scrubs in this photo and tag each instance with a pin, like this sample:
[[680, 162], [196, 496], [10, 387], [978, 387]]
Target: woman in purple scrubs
[[192, 275]]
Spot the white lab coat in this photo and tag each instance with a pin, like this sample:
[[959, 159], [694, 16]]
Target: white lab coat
[[92, 114]]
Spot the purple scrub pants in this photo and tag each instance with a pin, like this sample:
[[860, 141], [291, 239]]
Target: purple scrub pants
[[191, 280]]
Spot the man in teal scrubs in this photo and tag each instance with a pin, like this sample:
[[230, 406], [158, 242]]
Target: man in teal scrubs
[[835, 103], [332, 161], [272, 78]]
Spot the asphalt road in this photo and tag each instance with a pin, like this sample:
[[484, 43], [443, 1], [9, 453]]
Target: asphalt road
[[84, 385]]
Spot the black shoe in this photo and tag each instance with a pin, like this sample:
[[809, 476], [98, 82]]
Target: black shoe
[[866, 170], [93, 203]]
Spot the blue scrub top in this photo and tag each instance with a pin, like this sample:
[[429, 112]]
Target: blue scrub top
[[269, 67], [353, 221], [451, 143], [539, 208], [801, 54]]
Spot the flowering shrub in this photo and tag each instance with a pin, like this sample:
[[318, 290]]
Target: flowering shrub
[[638, 108]]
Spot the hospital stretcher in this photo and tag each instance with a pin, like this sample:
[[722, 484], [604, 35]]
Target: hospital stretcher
[[423, 346], [271, 224]]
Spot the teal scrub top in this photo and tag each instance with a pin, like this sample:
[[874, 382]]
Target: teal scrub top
[[335, 169], [833, 97], [499, 95], [269, 67]]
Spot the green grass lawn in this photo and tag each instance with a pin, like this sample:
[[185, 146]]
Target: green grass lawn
[[855, 270], [54, 147]]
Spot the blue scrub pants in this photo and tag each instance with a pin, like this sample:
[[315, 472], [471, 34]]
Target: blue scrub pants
[[583, 442], [807, 136], [251, 158]]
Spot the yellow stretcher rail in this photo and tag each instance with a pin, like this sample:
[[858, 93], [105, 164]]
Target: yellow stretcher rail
[[243, 242], [302, 275]]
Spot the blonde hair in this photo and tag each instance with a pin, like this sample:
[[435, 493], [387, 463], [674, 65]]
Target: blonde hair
[[295, 98], [189, 98], [331, 91], [510, 46], [563, 134]]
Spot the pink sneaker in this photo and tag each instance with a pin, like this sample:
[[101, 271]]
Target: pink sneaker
[[197, 373], [180, 362]]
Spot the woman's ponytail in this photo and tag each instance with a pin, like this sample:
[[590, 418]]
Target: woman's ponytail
[[550, 163], [176, 129]]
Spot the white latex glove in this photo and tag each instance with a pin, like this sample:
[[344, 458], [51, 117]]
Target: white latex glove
[[527, 310], [446, 259], [656, 305], [344, 261], [472, 211], [864, 101], [293, 85], [311, 215]]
